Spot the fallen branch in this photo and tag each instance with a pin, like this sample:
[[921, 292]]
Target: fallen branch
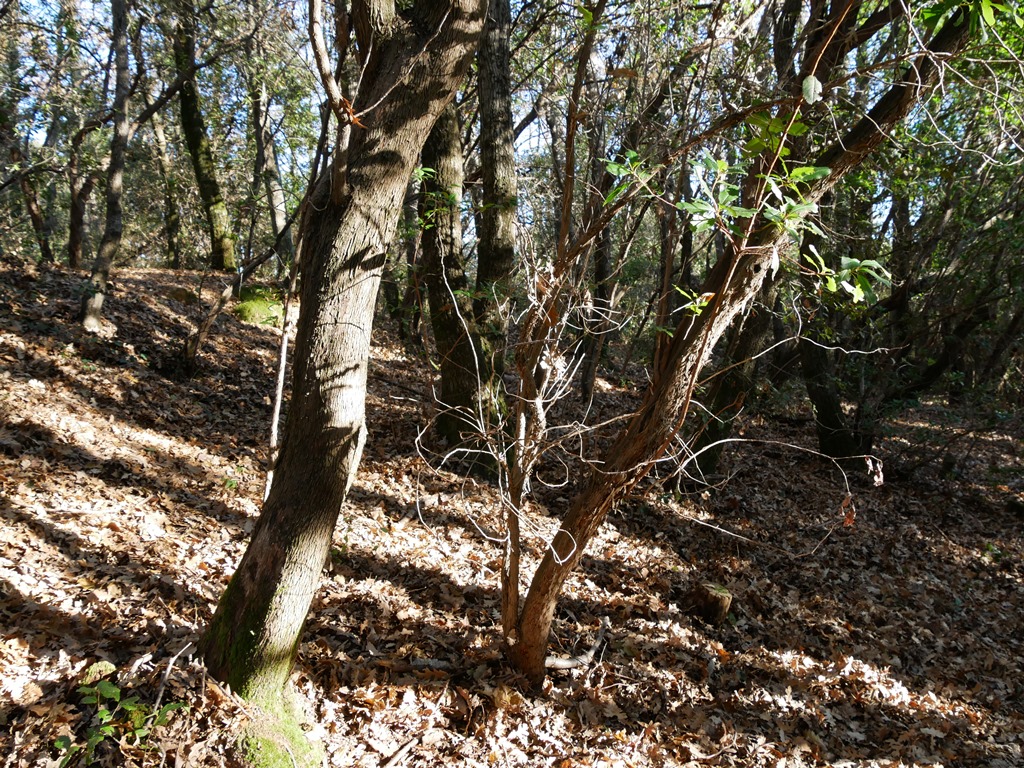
[[585, 659]]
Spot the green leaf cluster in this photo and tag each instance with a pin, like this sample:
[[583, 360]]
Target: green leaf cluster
[[856, 277], [116, 718], [629, 169]]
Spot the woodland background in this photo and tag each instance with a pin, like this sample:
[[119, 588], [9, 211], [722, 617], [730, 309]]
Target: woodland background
[[849, 471]]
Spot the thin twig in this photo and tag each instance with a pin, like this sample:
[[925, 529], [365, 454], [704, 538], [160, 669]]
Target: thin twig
[[167, 674]]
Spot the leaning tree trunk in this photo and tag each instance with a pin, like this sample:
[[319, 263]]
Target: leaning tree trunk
[[35, 213], [193, 126], [731, 387], [96, 290], [413, 64], [734, 281], [444, 273]]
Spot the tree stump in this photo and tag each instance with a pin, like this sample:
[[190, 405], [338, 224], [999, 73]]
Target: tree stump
[[710, 602]]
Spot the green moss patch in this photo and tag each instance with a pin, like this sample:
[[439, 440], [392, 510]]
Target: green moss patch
[[260, 305], [274, 738]]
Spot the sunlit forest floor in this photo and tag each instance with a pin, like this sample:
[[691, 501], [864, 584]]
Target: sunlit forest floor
[[126, 496]]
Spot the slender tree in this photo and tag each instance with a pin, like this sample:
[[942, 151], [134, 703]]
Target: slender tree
[[412, 60], [96, 289], [732, 284], [193, 126]]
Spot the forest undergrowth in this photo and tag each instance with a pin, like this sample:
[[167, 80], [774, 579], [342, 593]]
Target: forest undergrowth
[[887, 631]]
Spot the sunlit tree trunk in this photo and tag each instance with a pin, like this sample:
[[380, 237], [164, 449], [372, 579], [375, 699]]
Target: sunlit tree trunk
[[222, 241], [733, 282], [413, 63], [96, 289]]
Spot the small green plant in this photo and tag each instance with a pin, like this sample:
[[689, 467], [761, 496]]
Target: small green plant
[[119, 720], [991, 553]]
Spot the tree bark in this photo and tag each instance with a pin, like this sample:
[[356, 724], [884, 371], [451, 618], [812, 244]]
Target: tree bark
[[444, 272], [218, 221], [733, 385], [413, 64], [496, 249], [96, 290], [267, 171], [172, 216], [734, 281]]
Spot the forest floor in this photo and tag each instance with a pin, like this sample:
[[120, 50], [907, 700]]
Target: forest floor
[[888, 631]]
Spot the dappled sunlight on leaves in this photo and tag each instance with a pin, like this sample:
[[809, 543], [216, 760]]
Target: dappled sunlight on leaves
[[126, 498]]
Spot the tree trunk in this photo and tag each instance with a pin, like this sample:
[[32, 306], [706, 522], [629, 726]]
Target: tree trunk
[[410, 308], [80, 189], [835, 437], [413, 65], [733, 281], [96, 290], [267, 171], [444, 272], [733, 385], [599, 324], [222, 241], [172, 216], [35, 213], [496, 249]]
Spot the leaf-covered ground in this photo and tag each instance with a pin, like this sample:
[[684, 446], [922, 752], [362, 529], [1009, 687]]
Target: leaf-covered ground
[[126, 496]]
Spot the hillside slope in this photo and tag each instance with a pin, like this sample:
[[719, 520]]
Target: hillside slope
[[893, 636]]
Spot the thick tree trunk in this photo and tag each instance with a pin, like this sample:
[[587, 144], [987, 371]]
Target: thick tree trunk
[[96, 290], [733, 281], [444, 272], [496, 249], [414, 64], [222, 241]]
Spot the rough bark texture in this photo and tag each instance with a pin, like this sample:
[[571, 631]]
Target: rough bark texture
[[734, 281], [193, 126], [444, 272], [96, 290], [496, 250], [413, 65]]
